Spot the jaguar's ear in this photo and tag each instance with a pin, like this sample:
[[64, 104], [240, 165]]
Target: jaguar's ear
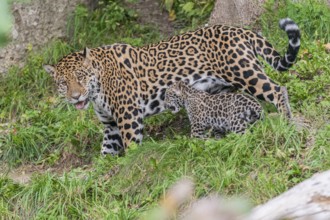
[[87, 57], [49, 69]]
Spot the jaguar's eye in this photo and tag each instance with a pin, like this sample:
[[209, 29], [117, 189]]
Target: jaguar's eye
[[62, 82]]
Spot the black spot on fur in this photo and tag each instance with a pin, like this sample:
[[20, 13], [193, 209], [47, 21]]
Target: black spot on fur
[[241, 81], [196, 77], [252, 90], [135, 112], [128, 136], [243, 62], [270, 97], [261, 76], [138, 131], [154, 104], [266, 87], [135, 125], [261, 97], [247, 74], [267, 51], [127, 126], [128, 63], [127, 116], [253, 81]]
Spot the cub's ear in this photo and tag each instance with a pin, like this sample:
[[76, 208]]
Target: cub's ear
[[87, 57], [181, 85], [49, 69], [186, 81], [177, 87]]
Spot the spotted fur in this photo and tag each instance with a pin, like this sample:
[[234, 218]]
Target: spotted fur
[[220, 113], [125, 83]]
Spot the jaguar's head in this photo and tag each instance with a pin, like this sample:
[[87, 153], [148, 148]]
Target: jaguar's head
[[72, 75], [174, 100]]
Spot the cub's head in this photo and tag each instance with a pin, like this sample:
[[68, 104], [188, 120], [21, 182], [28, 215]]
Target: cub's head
[[72, 75], [174, 99]]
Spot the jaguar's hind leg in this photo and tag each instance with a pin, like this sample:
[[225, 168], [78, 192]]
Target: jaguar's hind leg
[[198, 131], [262, 87], [238, 124], [247, 74], [283, 103]]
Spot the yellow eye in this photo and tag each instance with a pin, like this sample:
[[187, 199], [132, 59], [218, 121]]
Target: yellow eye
[[62, 82]]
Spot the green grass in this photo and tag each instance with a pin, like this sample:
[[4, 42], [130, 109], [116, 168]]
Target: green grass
[[251, 165], [312, 16], [39, 129]]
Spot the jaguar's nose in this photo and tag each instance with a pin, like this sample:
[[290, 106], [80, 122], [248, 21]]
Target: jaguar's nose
[[75, 95]]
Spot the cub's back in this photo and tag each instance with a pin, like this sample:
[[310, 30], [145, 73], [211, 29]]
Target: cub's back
[[230, 103]]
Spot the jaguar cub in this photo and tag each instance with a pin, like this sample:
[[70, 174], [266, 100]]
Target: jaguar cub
[[223, 112]]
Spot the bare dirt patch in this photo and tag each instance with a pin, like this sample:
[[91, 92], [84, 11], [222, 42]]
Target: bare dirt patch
[[67, 162], [150, 12]]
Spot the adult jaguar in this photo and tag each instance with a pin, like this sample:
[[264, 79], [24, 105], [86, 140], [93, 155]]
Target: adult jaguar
[[126, 83]]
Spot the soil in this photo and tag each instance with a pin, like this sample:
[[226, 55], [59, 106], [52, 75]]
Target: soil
[[151, 12], [24, 172]]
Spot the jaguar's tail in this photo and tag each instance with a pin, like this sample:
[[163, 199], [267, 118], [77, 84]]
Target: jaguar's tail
[[266, 50]]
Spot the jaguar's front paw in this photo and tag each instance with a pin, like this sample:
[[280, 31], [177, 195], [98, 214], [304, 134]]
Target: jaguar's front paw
[[111, 148]]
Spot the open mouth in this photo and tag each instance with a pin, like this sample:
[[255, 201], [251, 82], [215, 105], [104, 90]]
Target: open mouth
[[82, 104]]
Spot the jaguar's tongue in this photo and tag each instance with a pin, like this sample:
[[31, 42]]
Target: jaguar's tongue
[[80, 105]]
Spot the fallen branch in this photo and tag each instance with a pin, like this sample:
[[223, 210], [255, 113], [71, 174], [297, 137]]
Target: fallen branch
[[307, 200]]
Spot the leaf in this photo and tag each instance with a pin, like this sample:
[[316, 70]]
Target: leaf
[[188, 7], [172, 15], [153, 162], [169, 5], [325, 103]]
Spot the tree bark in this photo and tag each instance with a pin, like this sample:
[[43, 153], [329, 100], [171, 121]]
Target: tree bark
[[36, 22], [235, 12]]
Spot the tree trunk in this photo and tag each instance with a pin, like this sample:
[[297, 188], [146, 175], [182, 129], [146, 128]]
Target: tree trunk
[[36, 22], [235, 12]]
